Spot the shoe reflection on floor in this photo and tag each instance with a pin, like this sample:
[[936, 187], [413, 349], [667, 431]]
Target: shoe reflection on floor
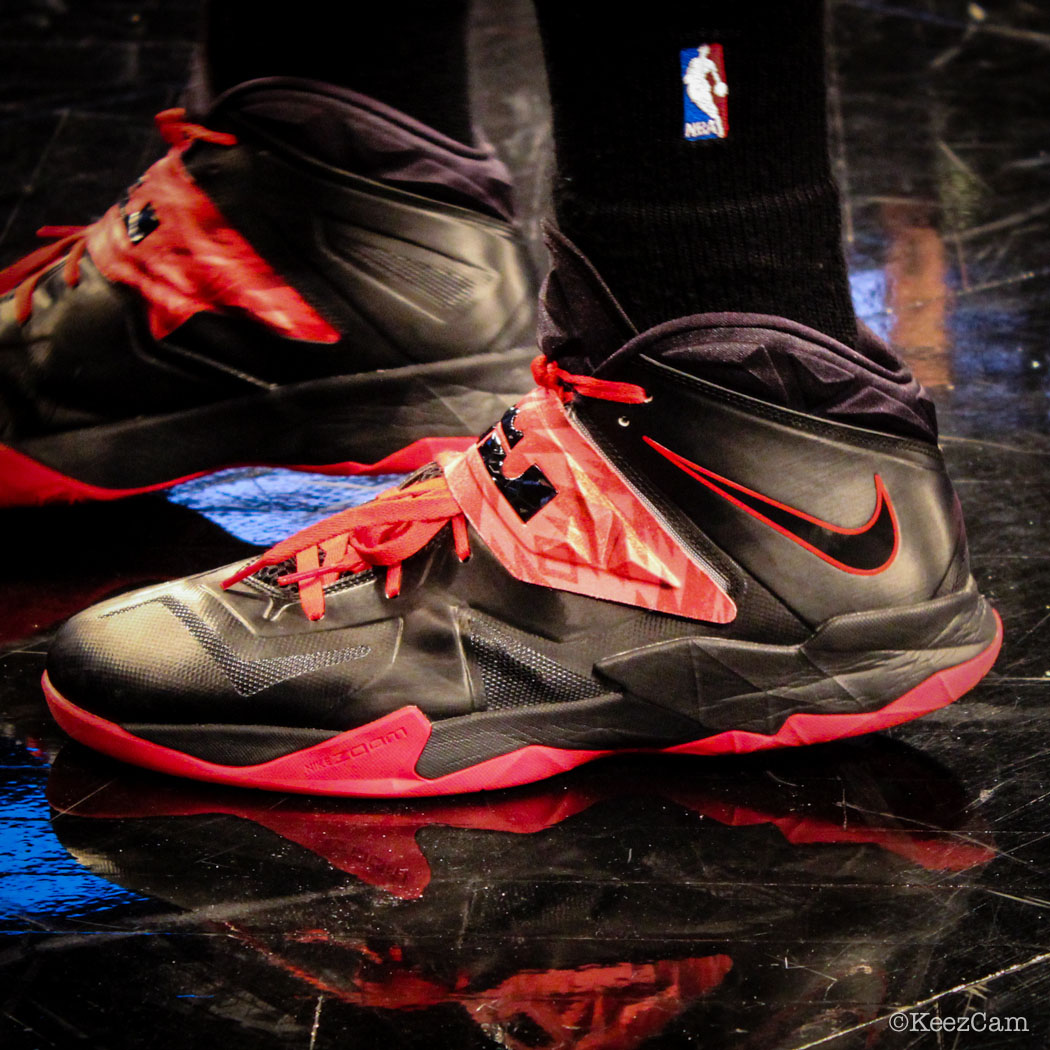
[[750, 901]]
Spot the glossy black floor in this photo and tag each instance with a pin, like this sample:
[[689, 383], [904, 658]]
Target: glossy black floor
[[787, 902]]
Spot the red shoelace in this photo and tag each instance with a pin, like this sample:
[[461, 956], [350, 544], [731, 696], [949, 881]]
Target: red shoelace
[[71, 243], [399, 523]]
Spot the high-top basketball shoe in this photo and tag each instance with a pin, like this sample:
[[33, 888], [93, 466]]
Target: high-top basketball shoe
[[313, 279], [734, 534]]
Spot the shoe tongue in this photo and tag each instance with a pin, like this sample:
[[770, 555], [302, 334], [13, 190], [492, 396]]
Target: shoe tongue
[[361, 135], [580, 323]]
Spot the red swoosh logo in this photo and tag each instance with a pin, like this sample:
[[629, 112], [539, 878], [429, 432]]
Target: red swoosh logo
[[864, 551]]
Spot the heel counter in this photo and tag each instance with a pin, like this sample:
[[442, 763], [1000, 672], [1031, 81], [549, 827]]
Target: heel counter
[[957, 575]]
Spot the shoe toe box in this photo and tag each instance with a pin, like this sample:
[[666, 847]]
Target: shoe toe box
[[133, 658], [186, 653]]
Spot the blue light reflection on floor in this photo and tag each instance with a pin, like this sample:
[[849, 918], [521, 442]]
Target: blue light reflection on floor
[[41, 881], [263, 505]]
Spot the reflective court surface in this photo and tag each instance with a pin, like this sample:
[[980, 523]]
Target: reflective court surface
[[795, 900]]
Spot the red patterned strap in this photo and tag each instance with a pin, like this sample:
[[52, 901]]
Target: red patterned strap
[[595, 537]]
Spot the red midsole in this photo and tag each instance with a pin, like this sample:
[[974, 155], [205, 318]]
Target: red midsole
[[26, 482], [379, 759]]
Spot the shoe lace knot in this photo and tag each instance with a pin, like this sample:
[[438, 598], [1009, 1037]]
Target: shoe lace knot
[[70, 242], [399, 523], [552, 376], [178, 131]]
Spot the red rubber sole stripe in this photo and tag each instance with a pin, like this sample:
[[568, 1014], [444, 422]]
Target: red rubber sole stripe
[[24, 482], [379, 759]]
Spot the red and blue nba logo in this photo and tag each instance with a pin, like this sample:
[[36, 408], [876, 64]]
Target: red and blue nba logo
[[706, 93]]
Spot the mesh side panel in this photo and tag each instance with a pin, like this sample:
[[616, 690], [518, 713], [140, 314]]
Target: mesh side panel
[[514, 675], [268, 575], [266, 579], [444, 288]]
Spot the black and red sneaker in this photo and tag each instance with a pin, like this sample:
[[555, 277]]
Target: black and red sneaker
[[649, 557], [312, 280]]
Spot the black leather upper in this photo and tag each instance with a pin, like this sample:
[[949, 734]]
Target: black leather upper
[[823, 469], [190, 652]]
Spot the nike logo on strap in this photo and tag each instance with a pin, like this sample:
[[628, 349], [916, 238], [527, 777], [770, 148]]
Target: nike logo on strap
[[249, 677], [864, 551]]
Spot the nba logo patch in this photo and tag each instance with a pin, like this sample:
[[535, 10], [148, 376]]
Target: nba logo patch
[[706, 93]]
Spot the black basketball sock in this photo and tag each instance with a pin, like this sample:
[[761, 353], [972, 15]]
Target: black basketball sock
[[675, 224], [410, 54]]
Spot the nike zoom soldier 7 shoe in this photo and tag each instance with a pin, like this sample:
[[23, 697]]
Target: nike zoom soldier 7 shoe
[[312, 280], [734, 534]]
